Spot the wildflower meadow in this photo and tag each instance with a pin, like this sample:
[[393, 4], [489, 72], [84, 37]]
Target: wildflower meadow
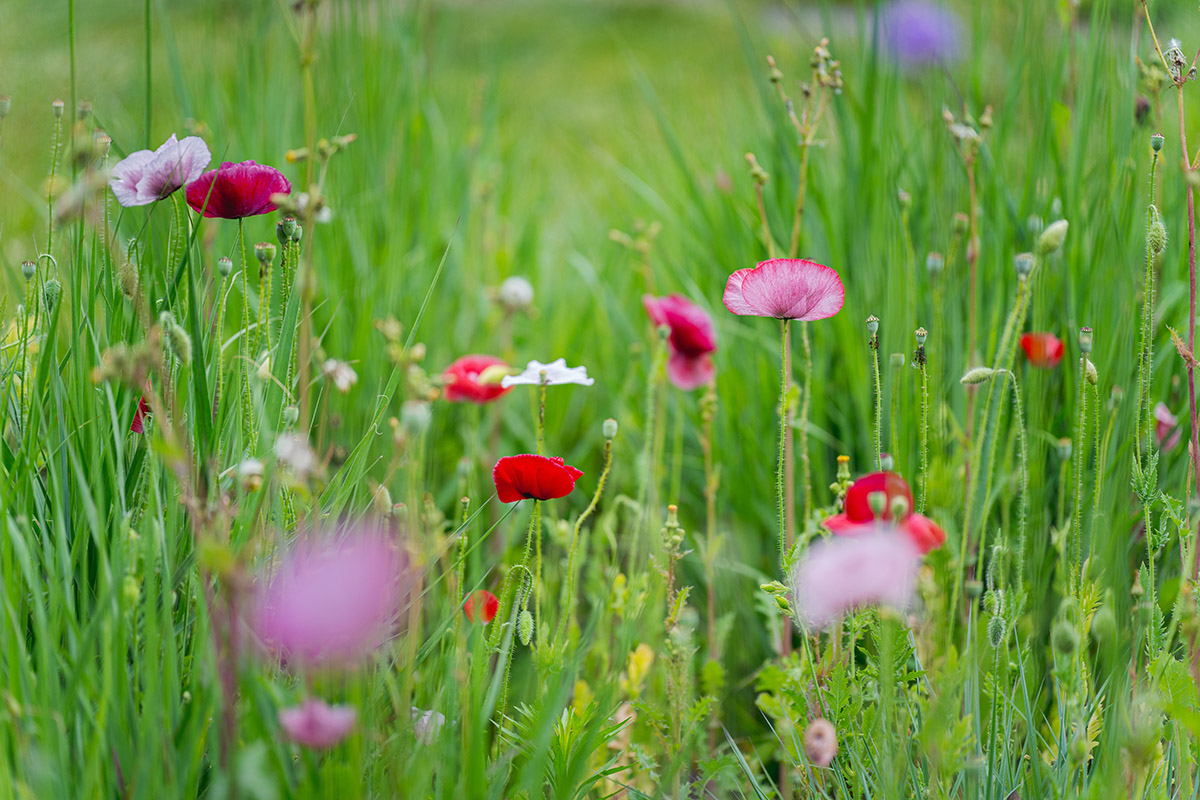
[[599, 399]]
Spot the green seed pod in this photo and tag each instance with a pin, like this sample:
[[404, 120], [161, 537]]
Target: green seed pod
[[57, 108], [1085, 340], [973, 589], [934, 264], [1156, 142], [921, 335], [1023, 263], [1052, 238], [877, 502], [1104, 625], [873, 325], [525, 627], [961, 223], [897, 359], [1064, 638], [265, 253], [224, 266], [610, 428], [28, 269], [886, 462], [288, 225], [977, 375], [5, 105], [995, 631]]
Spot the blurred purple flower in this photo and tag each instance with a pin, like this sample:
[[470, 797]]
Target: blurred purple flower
[[917, 32], [332, 599], [834, 576], [314, 723], [145, 176], [1166, 428]]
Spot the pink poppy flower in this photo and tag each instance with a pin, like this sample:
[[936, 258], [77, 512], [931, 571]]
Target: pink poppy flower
[[139, 417], [332, 599], [1042, 350], [877, 566], [316, 724], [148, 175], [692, 340], [461, 380], [922, 531], [786, 288], [234, 191], [533, 477], [1166, 428]]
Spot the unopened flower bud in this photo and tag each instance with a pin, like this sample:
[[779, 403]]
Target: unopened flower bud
[[995, 631], [873, 325], [382, 501], [610, 428], [961, 223], [877, 502], [843, 468], [525, 627], [224, 266], [885, 461], [57, 108], [1085, 340], [1156, 142], [934, 264], [973, 589], [1064, 638], [179, 343], [976, 376], [52, 292], [83, 109], [1156, 234], [131, 592], [28, 269], [1023, 263], [1104, 624], [1052, 238], [1089, 371]]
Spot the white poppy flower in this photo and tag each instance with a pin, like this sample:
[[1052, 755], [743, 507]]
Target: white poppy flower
[[556, 372]]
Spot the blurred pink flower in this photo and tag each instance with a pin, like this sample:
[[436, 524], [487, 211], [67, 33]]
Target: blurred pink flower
[[332, 599], [875, 567], [1166, 427], [692, 341], [785, 288], [148, 175], [314, 723], [234, 191]]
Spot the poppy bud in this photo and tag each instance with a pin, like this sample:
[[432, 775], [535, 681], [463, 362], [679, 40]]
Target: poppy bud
[[977, 375], [130, 592], [886, 462], [1085, 340], [877, 502], [179, 343], [995, 631], [610, 428], [52, 292], [921, 335], [961, 223], [288, 225], [5, 105], [224, 266], [1023, 263], [1064, 638], [83, 109], [265, 253], [1089, 371], [873, 325], [57, 108], [28, 269], [1052, 238], [525, 627], [1156, 142], [290, 415], [382, 500], [820, 742], [934, 263], [1156, 234], [1104, 624]]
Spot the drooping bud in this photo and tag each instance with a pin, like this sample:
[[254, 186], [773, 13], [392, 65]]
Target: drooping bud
[[610, 428], [977, 375], [1104, 624], [525, 627], [1023, 263], [1064, 638], [1156, 234], [52, 292], [28, 269], [179, 343], [224, 266], [1085, 340], [1052, 238]]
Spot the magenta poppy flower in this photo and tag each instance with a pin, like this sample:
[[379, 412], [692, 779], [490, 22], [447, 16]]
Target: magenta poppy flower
[[922, 531], [461, 380], [148, 175], [918, 32], [316, 724], [873, 567], [1042, 350], [1166, 428], [530, 477], [234, 191], [139, 417], [786, 288], [332, 599], [692, 340]]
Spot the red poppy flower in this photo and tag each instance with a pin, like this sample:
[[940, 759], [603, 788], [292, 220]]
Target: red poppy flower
[[537, 477], [139, 417], [234, 191], [481, 606], [923, 531], [1043, 350], [461, 380], [693, 338]]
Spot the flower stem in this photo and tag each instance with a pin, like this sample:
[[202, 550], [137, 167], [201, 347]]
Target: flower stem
[[244, 347], [1080, 465], [569, 605], [784, 533]]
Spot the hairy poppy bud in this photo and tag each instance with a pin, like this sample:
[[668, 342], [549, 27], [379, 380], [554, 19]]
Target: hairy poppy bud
[[224, 266], [1052, 238], [1156, 234], [1064, 638], [52, 292], [1089, 371], [179, 343], [995, 631], [977, 375], [1104, 624], [820, 742], [525, 627], [28, 269], [886, 462]]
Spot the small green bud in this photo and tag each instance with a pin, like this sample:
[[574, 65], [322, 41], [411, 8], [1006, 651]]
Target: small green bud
[[131, 592], [1023, 263], [1156, 142], [961, 223], [1156, 234], [1089, 371], [995, 631], [1085, 340], [1104, 624], [610, 428], [973, 589], [934, 264], [886, 462], [1052, 238], [57, 108], [783, 603], [877, 502], [179, 343], [28, 269], [873, 325], [224, 266], [298, 234], [977, 375], [52, 292], [525, 627], [1064, 638]]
